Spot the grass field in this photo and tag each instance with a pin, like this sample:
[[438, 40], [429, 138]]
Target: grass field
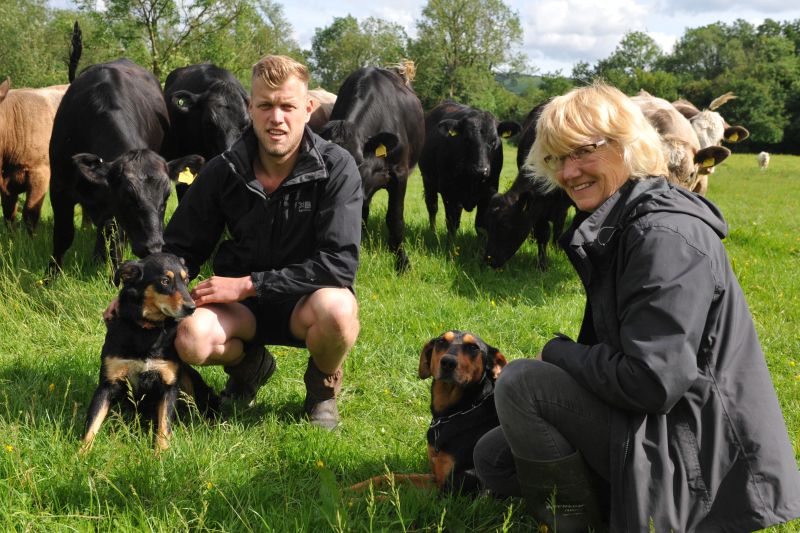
[[265, 470]]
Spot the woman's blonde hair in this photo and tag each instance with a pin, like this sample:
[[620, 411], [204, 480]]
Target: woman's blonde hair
[[586, 114], [275, 70]]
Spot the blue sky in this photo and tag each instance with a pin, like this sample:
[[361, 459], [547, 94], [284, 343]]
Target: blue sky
[[557, 33]]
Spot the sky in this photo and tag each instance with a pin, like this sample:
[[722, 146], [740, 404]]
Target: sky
[[557, 33]]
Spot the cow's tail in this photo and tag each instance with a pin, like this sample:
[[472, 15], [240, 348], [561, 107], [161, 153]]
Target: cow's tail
[[75, 50]]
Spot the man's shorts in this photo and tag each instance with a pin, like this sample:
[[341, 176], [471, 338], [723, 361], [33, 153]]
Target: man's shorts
[[272, 321]]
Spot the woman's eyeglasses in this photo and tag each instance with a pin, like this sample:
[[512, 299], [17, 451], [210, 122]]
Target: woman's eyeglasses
[[556, 163]]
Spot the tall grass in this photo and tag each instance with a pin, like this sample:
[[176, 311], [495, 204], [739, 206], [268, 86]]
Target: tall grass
[[263, 469]]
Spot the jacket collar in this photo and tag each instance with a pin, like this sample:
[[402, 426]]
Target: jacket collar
[[310, 165]]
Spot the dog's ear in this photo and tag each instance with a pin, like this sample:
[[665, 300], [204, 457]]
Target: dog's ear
[[425, 359], [128, 272], [496, 361]]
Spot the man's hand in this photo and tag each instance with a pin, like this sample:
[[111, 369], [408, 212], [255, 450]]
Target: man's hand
[[111, 310], [217, 289]]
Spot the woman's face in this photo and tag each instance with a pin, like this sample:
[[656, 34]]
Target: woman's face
[[590, 178]]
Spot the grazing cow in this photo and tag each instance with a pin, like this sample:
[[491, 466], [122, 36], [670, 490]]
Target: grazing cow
[[26, 121], [525, 208], [688, 163], [106, 133], [379, 120], [322, 103], [763, 160], [461, 160], [207, 108]]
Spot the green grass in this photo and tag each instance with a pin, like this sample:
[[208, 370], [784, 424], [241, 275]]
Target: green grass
[[264, 469]]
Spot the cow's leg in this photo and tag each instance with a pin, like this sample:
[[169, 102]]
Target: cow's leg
[[432, 203], [9, 202], [541, 232], [452, 213], [395, 221], [559, 218], [38, 179], [63, 228], [480, 214]]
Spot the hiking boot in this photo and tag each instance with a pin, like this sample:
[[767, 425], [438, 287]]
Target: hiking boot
[[321, 390], [248, 376]]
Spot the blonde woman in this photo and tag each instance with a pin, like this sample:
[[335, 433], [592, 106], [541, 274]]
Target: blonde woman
[[662, 414]]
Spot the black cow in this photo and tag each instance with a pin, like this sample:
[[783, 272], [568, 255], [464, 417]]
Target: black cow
[[379, 120], [525, 208], [207, 108], [106, 132], [461, 160]]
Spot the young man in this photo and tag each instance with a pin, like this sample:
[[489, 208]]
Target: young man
[[289, 206]]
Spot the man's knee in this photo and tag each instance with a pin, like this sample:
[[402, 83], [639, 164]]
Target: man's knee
[[191, 341], [336, 314], [524, 381]]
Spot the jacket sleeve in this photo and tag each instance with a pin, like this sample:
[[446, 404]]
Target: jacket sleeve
[[197, 223], [664, 293], [338, 235]]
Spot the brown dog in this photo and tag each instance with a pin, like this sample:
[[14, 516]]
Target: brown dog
[[464, 369]]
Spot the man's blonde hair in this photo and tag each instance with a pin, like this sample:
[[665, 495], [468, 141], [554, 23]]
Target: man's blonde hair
[[275, 70], [587, 114]]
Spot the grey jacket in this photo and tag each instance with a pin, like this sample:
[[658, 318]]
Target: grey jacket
[[698, 442], [303, 236]]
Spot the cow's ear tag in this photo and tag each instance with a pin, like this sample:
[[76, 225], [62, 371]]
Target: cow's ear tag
[[380, 151], [733, 137], [708, 163], [186, 176], [506, 134], [452, 133]]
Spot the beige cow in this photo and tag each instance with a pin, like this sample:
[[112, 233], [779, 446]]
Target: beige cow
[[688, 163], [26, 122], [322, 104]]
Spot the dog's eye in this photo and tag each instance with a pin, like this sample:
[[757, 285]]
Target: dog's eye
[[165, 281], [441, 343], [472, 349]]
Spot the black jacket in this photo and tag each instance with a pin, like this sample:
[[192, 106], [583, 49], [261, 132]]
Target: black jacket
[[698, 442], [302, 237]]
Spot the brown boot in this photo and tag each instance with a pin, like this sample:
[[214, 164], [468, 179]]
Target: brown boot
[[321, 391], [248, 376]]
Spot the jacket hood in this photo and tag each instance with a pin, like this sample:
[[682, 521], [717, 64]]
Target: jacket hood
[[635, 199]]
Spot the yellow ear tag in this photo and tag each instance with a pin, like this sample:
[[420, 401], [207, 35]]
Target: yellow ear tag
[[506, 134], [452, 133], [708, 163], [380, 151], [733, 138], [186, 176]]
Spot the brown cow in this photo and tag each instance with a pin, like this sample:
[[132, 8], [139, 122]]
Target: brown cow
[[688, 163], [322, 104], [26, 122]]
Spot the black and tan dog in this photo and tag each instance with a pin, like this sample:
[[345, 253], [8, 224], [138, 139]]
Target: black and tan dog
[[138, 360], [464, 370]]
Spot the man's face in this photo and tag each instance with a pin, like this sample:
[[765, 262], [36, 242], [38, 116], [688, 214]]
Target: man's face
[[279, 115]]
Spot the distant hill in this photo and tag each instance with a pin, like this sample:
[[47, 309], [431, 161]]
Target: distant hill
[[518, 83]]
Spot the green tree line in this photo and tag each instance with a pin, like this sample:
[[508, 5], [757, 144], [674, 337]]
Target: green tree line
[[467, 50]]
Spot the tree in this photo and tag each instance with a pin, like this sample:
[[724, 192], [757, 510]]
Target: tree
[[346, 45], [461, 43], [166, 26], [636, 51]]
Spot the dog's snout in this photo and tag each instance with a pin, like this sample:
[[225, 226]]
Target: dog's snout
[[448, 363], [188, 307]]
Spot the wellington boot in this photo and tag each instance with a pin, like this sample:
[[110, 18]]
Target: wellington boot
[[561, 495]]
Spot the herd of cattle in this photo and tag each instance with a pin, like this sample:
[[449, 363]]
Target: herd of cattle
[[113, 141]]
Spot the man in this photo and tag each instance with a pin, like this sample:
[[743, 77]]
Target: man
[[289, 204]]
